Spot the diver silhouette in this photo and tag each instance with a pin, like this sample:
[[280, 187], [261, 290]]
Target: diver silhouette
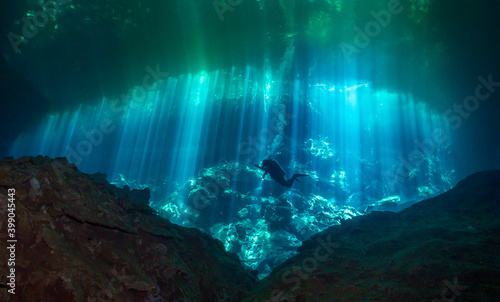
[[277, 173]]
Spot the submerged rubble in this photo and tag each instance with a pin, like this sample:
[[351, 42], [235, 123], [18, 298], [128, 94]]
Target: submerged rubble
[[231, 194], [261, 222]]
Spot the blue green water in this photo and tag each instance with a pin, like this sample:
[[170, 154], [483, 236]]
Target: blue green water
[[381, 103]]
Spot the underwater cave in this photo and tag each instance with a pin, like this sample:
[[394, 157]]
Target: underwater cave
[[377, 106]]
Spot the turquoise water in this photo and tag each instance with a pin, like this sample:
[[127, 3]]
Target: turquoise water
[[381, 103]]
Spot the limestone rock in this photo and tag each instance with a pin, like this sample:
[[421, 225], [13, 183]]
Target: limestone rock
[[440, 249], [81, 239]]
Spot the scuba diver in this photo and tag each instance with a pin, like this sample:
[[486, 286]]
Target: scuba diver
[[277, 173]]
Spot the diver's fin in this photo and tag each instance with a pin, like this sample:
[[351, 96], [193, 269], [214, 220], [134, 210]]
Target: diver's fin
[[294, 178], [300, 175]]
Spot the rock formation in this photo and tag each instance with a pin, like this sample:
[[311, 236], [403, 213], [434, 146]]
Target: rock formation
[[441, 249], [80, 239]]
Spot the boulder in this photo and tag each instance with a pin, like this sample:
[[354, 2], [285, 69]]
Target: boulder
[[81, 239], [440, 249]]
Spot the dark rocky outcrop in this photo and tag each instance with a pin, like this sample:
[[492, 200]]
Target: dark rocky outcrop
[[441, 249], [80, 239]]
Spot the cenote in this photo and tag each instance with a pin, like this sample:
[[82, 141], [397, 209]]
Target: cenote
[[382, 104]]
